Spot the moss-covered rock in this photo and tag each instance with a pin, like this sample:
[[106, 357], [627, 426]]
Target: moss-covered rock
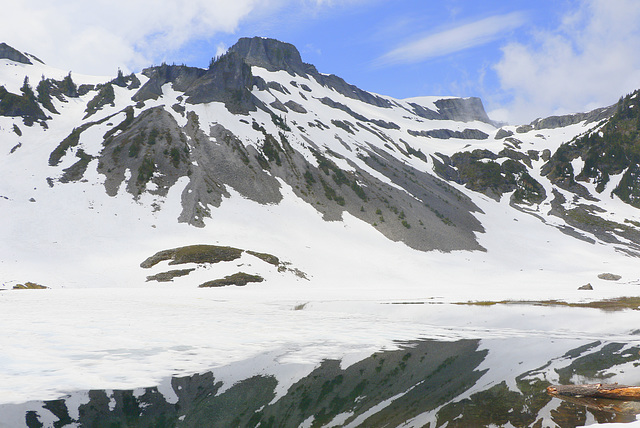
[[194, 254], [169, 275], [239, 279], [29, 286], [269, 258]]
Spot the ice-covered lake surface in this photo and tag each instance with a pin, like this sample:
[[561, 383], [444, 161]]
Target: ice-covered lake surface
[[227, 358]]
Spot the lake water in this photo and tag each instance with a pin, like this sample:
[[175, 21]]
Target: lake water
[[433, 383]]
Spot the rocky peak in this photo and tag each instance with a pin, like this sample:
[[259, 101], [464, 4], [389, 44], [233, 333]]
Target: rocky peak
[[7, 52], [228, 81], [272, 55], [462, 109], [458, 109]]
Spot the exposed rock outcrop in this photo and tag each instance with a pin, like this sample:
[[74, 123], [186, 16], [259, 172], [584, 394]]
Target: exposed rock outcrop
[[445, 134], [553, 122], [458, 109], [7, 52]]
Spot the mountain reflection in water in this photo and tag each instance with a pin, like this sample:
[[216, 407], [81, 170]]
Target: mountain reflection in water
[[424, 383]]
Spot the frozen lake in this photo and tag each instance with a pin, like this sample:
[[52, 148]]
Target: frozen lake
[[75, 357]]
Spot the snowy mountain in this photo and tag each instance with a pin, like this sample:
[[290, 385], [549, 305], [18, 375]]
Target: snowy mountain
[[262, 172], [259, 119]]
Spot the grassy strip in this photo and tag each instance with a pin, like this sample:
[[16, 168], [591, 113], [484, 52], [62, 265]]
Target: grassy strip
[[616, 304]]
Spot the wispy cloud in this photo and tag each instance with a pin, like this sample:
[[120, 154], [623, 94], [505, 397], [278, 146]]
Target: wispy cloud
[[453, 40]]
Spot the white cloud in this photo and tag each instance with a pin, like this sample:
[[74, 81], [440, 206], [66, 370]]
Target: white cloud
[[221, 49], [98, 36], [453, 40], [589, 61]]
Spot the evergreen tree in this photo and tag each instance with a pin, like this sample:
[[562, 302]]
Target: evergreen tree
[[44, 95], [120, 80], [26, 89], [68, 87]]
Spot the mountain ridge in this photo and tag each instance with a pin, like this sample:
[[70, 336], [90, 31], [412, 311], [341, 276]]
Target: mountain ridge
[[261, 123], [341, 254]]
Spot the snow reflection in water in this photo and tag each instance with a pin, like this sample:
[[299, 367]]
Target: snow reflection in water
[[458, 383]]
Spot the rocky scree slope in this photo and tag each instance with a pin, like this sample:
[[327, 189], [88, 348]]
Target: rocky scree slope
[[259, 118]]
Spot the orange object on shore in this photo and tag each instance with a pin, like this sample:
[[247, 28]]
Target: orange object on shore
[[597, 390]]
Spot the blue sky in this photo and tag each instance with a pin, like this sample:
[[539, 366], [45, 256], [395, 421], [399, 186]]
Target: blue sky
[[524, 59]]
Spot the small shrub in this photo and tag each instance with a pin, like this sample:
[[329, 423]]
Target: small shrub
[[339, 177], [280, 122], [359, 191], [308, 177], [271, 149], [146, 170], [175, 156], [153, 135]]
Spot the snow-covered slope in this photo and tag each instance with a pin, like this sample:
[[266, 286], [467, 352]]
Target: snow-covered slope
[[118, 170], [312, 189]]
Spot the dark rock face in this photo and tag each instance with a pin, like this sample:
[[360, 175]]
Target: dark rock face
[[609, 276], [480, 171], [419, 209], [503, 133], [150, 146], [24, 105], [294, 106], [351, 91], [275, 55], [228, 81], [463, 109], [553, 122], [424, 112], [7, 52], [333, 104], [158, 151], [445, 134], [458, 109], [180, 76], [611, 151], [272, 55], [277, 104], [443, 220]]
